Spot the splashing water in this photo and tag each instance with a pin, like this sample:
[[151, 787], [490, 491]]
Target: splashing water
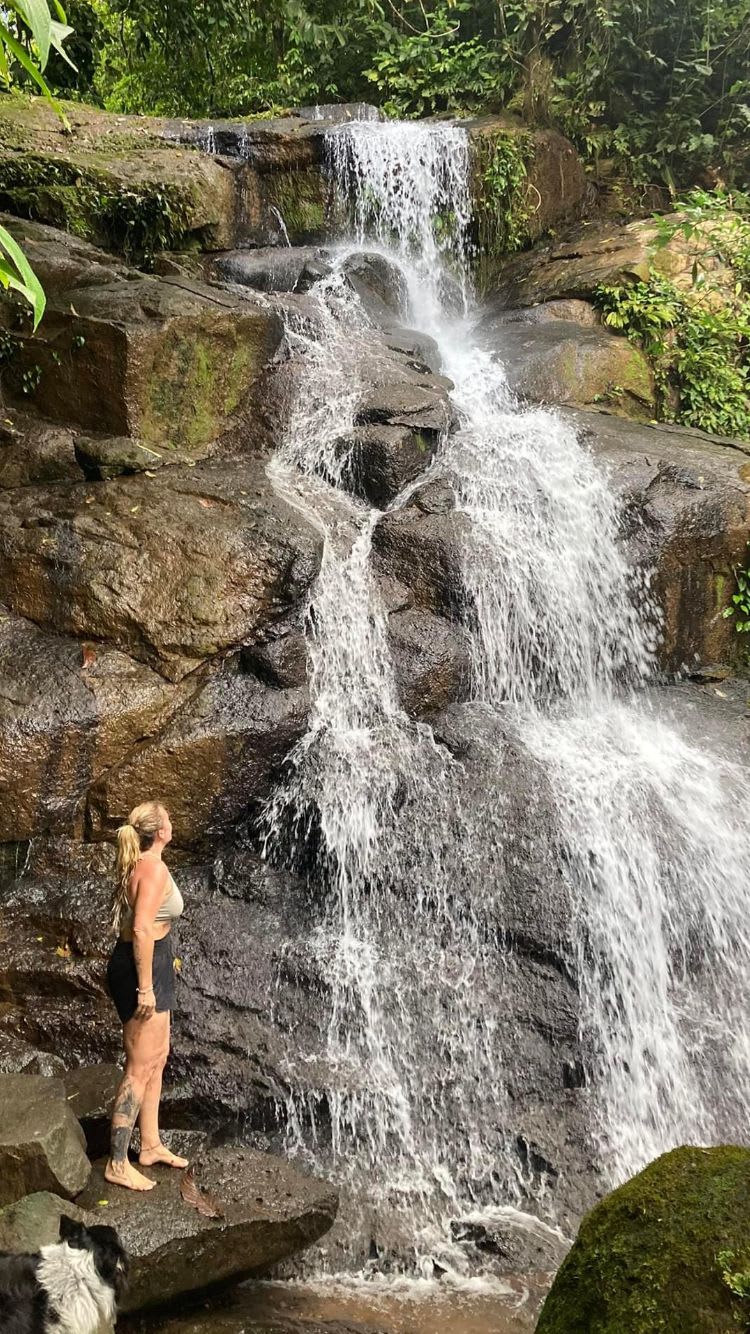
[[648, 831]]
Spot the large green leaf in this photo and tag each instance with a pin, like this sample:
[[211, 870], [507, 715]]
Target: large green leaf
[[36, 16], [16, 272]]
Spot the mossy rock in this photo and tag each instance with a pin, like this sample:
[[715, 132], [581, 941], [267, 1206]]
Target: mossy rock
[[646, 1259], [112, 180]]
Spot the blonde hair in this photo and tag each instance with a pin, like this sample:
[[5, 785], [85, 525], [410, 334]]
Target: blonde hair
[[133, 838]]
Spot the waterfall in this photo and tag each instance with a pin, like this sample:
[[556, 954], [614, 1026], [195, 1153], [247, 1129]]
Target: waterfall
[[649, 833]]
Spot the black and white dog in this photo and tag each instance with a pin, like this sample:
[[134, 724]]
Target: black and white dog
[[72, 1287]]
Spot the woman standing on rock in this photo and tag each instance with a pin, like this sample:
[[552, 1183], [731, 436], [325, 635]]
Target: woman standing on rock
[[140, 977]]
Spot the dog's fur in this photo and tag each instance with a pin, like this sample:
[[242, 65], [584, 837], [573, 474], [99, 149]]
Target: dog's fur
[[72, 1287]]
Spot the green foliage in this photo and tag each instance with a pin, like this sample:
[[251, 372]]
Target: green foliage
[[502, 210], [662, 88], [17, 274], [425, 72], [28, 33], [739, 612], [698, 339], [734, 1269], [137, 223]]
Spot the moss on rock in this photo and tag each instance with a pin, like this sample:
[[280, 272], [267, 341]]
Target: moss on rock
[[647, 1258], [112, 180]]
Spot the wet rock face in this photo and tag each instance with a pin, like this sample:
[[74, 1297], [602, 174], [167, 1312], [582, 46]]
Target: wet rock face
[[685, 500], [67, 712], [271, 1211], [421, 546], [41, 1144], [210, 763], [172, 569], [164, 359], [561, 361], [597, 254], [431, 660]]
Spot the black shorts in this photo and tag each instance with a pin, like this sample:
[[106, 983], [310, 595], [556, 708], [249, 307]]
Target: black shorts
[[122, 977]]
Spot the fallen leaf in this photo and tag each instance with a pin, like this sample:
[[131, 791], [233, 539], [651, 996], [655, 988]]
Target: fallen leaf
[[177, 965], [207, 504], [89, 655], [102, 1202], [63, 951], [199, 1199]]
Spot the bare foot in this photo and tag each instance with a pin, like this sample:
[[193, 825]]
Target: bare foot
[[159, 1153], [124, 1174]]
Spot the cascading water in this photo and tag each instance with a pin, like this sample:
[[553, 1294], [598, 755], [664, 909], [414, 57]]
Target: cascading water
[[649, 832]]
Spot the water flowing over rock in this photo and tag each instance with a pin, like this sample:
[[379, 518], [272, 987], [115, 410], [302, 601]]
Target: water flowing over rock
[[466, 924], [569, 1038]]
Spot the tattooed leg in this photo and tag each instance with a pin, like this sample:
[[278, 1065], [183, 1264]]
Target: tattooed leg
[[125, 1111], [143, 1042]]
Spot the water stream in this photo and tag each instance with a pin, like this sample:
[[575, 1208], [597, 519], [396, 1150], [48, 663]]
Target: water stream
[[649, 833]]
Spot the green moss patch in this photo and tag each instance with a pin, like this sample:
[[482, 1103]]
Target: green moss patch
[[647, 1260]]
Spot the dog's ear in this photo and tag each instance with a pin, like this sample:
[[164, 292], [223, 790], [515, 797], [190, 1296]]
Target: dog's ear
[[72, 1232]]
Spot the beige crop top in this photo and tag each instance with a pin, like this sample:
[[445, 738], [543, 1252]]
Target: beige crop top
[[169, 911]]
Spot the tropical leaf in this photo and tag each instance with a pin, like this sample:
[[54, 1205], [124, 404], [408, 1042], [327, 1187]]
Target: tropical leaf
[[36, 16], [17, 273]]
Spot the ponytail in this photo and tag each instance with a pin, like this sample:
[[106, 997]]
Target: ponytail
[[133, 838]]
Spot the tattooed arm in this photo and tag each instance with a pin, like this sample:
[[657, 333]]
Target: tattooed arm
[[149, 893]]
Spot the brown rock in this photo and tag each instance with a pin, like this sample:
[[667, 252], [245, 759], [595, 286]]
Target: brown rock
[[35, 451], [164, 359], [420, 546], [686, 515], [211, 763], [600, 254], [562, 362], [172, 569], [272, 1211], [431, 661], [41, 1144], [382, 458], [67, 712]]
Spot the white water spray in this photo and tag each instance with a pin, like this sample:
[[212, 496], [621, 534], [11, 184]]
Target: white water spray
[[648, 832]]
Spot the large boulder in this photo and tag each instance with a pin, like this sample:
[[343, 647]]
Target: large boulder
[[164, 359], [431, 660], [602, 254], [211, 763], [34, 450], [172, 569], [42, 1146], [273, 268], [561, 361], [381, 458], [271, 1211], [652, 1255], [685, 506], [555, 183], [67, 713], [114, 180]]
